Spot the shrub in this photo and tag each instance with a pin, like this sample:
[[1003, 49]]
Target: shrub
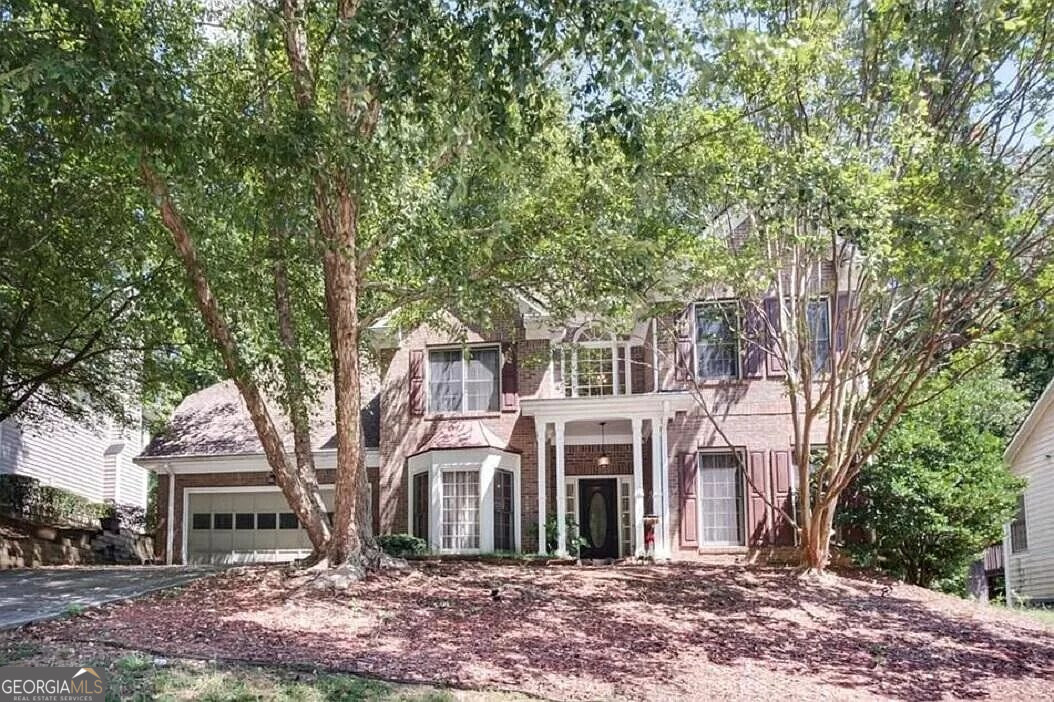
[[23, 496], [938, 491], [402, 545]]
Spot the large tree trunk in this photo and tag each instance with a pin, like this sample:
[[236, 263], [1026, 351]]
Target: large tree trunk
[[351, 530], [296, 493]]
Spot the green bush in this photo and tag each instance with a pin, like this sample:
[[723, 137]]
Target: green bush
[[23, 496], [402, 545], [938, 491]]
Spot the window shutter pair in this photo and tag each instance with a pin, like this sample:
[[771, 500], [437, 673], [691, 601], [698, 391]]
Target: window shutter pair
[[510, 398]]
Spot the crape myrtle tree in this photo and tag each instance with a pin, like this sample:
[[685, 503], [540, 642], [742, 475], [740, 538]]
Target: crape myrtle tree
[[871, 186], [938, 492], [318, 166]]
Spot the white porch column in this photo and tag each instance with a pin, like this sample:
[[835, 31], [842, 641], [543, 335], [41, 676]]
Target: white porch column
[[539, 431], [657, 486], [638, 487], [561, 492], [667, 534]]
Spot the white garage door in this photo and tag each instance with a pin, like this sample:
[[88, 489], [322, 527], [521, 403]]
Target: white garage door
[[244, 527]]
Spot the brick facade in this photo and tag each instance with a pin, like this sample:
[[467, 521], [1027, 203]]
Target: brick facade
[[753, 415]]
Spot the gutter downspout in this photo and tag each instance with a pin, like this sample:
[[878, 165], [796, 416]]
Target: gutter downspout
[[170, 522]]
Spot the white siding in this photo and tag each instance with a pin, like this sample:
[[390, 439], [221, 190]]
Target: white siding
[[64, 454], [1031, 573]]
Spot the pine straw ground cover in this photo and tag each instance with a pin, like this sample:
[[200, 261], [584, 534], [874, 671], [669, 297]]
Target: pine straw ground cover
[[651, 632]]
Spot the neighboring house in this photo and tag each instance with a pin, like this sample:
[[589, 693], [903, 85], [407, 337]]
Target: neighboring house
[[93, 460], [1028, 541], [476, 438]]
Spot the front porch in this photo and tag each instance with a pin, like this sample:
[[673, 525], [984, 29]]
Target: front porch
[[605, 502]]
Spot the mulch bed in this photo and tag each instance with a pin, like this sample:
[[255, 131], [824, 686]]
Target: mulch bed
[[649, 632]]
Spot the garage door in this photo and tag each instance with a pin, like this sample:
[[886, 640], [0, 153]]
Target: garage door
[[245, 527]]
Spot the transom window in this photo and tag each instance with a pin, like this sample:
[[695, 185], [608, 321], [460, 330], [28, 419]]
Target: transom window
[[716, 341], [460, 514], [463, 380], [721, 499], [818, 316]]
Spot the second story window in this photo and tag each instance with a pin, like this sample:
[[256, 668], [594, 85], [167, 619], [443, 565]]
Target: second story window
[[593, 364], [818, 316], [463, 380], [716, 343]]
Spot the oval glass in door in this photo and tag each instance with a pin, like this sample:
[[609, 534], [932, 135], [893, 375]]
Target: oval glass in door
[[598, 519]]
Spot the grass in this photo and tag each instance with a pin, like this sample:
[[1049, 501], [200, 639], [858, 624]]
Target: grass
[[74, 610], [141, 677]]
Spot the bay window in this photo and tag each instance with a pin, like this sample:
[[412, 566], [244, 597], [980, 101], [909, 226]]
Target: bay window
[[465, 500]]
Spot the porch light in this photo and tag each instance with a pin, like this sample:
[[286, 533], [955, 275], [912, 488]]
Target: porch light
[[603, 460]]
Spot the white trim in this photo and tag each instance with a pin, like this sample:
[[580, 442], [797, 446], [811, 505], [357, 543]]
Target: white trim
[[741, 463], [234, 490], [592, 409], [736, 334], [638, 487], [657, 486], [561, 491], [539, 430], [487, 461], [239, 462], [622, 481], [170, 536], [464, 348], [1031, 423]]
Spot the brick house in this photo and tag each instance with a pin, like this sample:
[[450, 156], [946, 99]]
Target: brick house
[[479, 438]]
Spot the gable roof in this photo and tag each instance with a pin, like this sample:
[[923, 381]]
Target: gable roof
[[215, 422], [1031, 423]]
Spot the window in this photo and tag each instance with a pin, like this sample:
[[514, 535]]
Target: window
[[222, 521], [503, 505], [245, 520], [287, 520], [721, 499], [716, 342], [266, 520], [460, 515], [818, 316], [1019, 528], [462, 380], [201, 520], [593, 364], [421, 500]]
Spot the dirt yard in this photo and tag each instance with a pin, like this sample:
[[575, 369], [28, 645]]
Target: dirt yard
[[638, 632]]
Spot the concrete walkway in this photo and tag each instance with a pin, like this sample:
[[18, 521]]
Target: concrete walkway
[[43, 593]]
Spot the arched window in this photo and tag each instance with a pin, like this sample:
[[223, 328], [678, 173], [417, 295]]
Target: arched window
[[591, 364]]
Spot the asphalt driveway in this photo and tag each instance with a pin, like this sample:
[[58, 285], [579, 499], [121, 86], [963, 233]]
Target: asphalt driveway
[[43, 593]]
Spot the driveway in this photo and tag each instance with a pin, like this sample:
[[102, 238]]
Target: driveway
[[43, 593]]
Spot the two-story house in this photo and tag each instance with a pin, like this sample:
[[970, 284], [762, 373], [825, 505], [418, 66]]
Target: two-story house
[[478, 440]]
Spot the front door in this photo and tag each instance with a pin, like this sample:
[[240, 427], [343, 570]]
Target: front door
[[598, 517]]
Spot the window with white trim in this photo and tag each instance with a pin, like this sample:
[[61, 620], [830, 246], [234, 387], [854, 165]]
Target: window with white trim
[[593, 364], [721, 502], [716, 340], [1019, 528], [459, 518], [464, 380]]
